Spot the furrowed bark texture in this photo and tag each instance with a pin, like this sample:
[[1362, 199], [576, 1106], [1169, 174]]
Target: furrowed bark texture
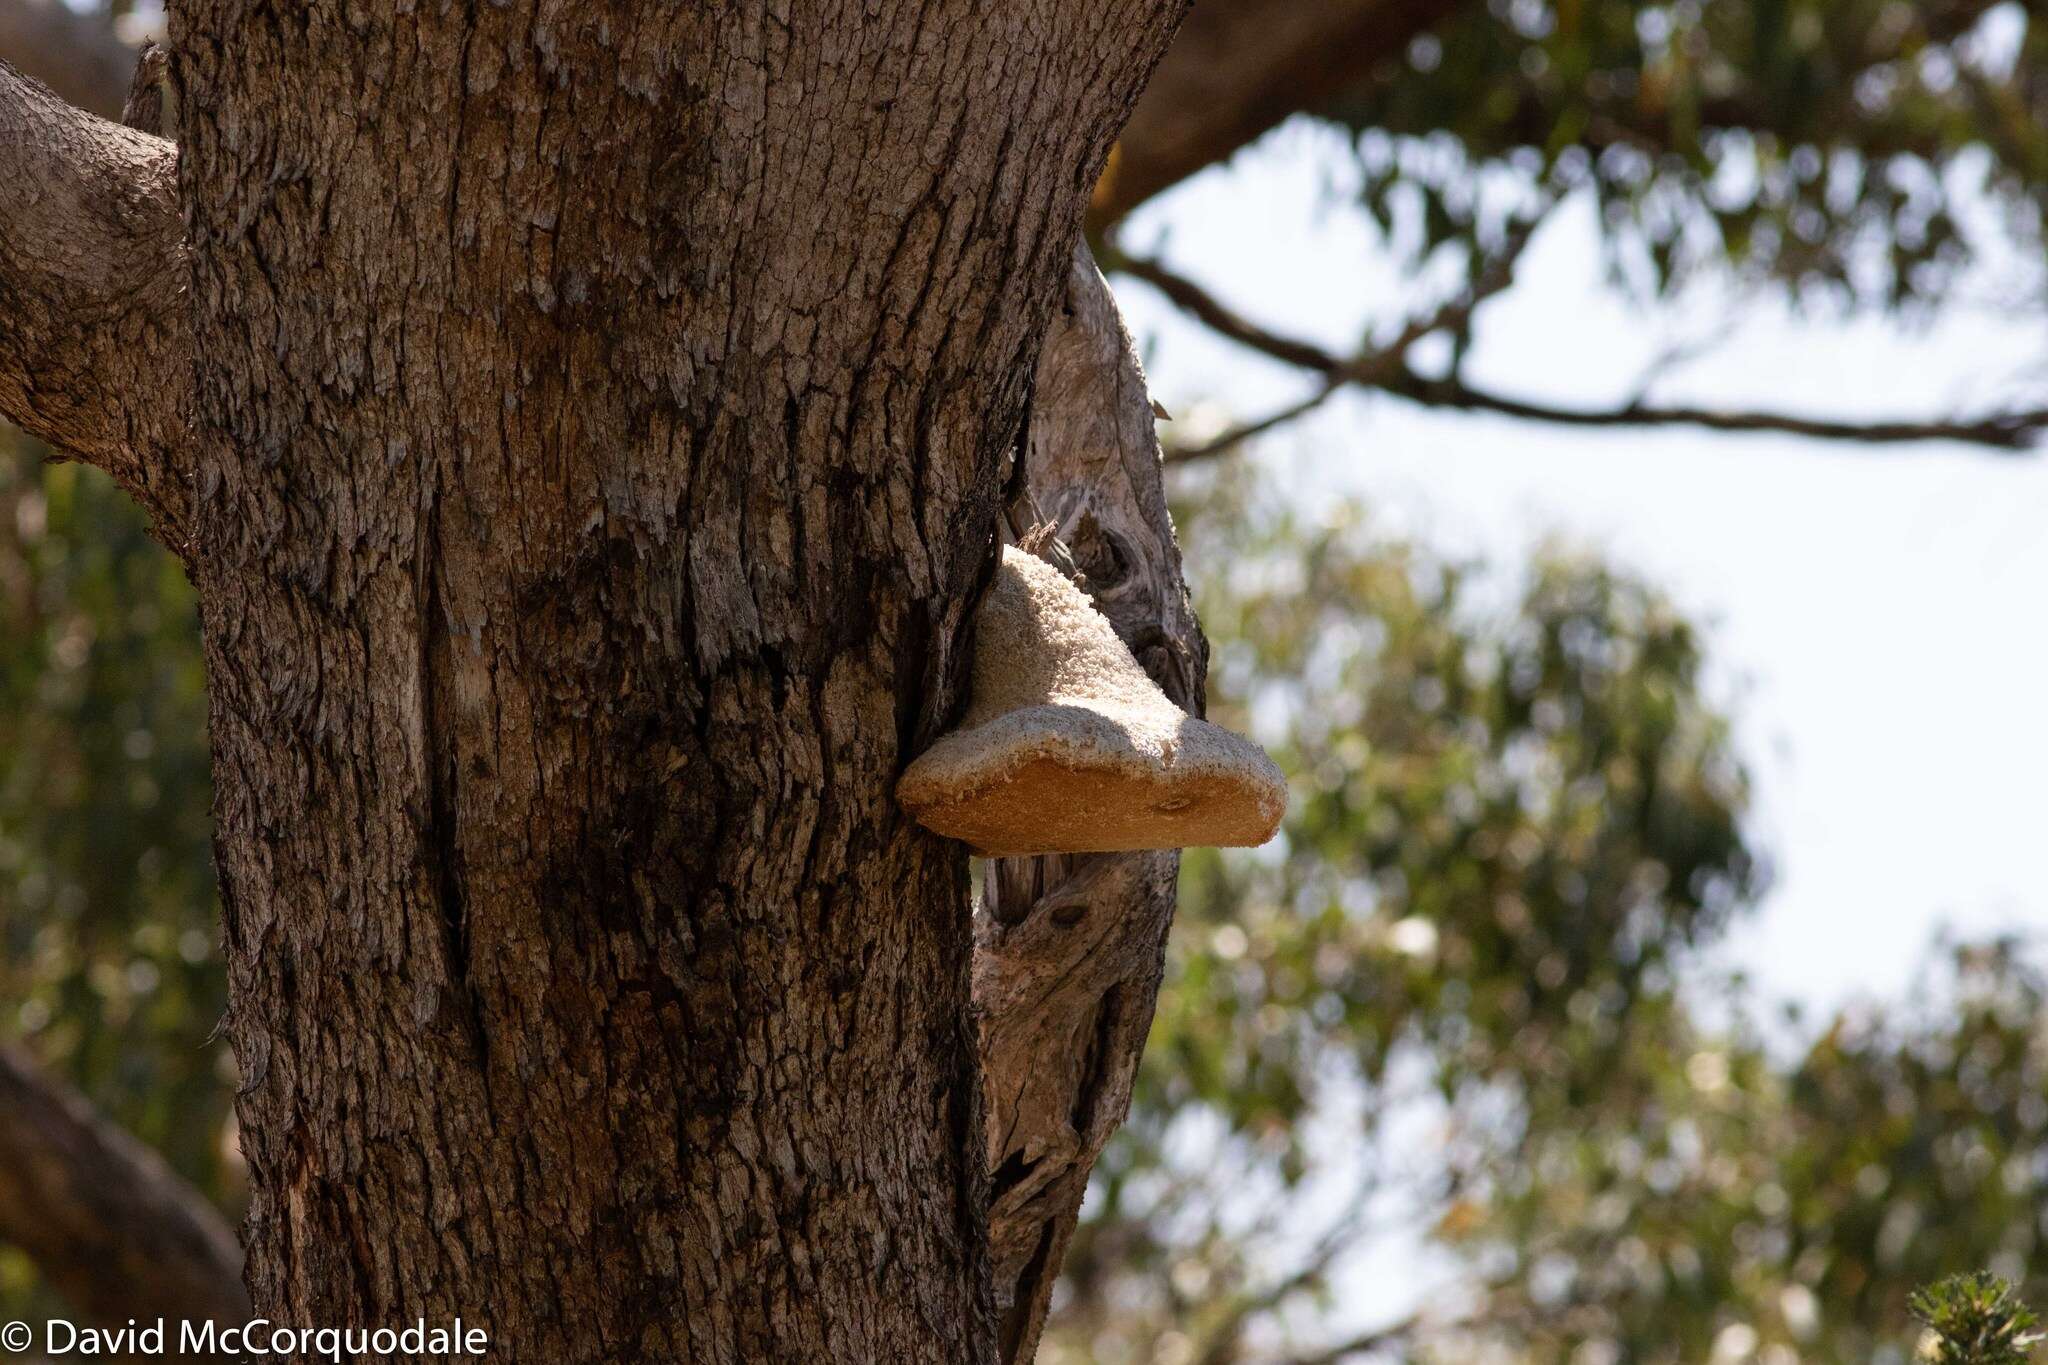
[[110, 1227], [95, 339], [601, 409], [1237, 69], [1069, 949]]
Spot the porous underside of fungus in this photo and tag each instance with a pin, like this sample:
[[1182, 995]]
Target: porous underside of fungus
[[1068, 747]]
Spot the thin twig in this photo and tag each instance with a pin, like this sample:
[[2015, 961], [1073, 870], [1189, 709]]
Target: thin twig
[[1377, 1339], [2011, 431], [1236, 436], [1343, 1234], [1387, 370], [1374, 369]]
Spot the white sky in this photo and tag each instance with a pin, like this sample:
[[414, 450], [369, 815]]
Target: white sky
[[1877, 614]]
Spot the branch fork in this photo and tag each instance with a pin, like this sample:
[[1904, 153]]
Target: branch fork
[[95, 334]]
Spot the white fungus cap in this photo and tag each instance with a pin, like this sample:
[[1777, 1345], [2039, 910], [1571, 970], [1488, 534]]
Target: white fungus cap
[[1068, 747]]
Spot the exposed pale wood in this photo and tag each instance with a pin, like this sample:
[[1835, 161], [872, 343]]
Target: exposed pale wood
[[110, 1227], [1069, 949], [95, 337]]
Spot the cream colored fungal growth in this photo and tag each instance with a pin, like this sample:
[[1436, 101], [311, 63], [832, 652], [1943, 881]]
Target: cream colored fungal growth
[[1068, 747]]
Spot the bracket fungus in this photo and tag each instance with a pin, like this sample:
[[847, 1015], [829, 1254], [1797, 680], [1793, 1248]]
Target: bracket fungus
[[1068, 747]]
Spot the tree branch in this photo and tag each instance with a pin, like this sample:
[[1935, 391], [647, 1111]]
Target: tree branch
[[2011, 431], [1204, 307], [1238, 68], [111, 1227], [95, 338], [1386, 370], [1069, 950]]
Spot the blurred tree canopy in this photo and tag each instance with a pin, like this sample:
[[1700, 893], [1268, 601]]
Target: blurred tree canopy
[[1446, 1012], [1866, 154], [1827, 143], [1458, 1017], [109, 960], [1461, 1013]]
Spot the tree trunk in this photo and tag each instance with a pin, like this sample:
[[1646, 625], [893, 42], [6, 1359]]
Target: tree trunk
[[600, 411]]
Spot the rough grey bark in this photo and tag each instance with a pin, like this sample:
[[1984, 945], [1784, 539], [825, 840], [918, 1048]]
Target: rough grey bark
[[1069, 950], [111, 1227], [600, 416], [1237, 69]]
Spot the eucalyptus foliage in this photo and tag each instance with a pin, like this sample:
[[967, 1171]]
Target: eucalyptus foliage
[[1831, 144], [1459, 1021]]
